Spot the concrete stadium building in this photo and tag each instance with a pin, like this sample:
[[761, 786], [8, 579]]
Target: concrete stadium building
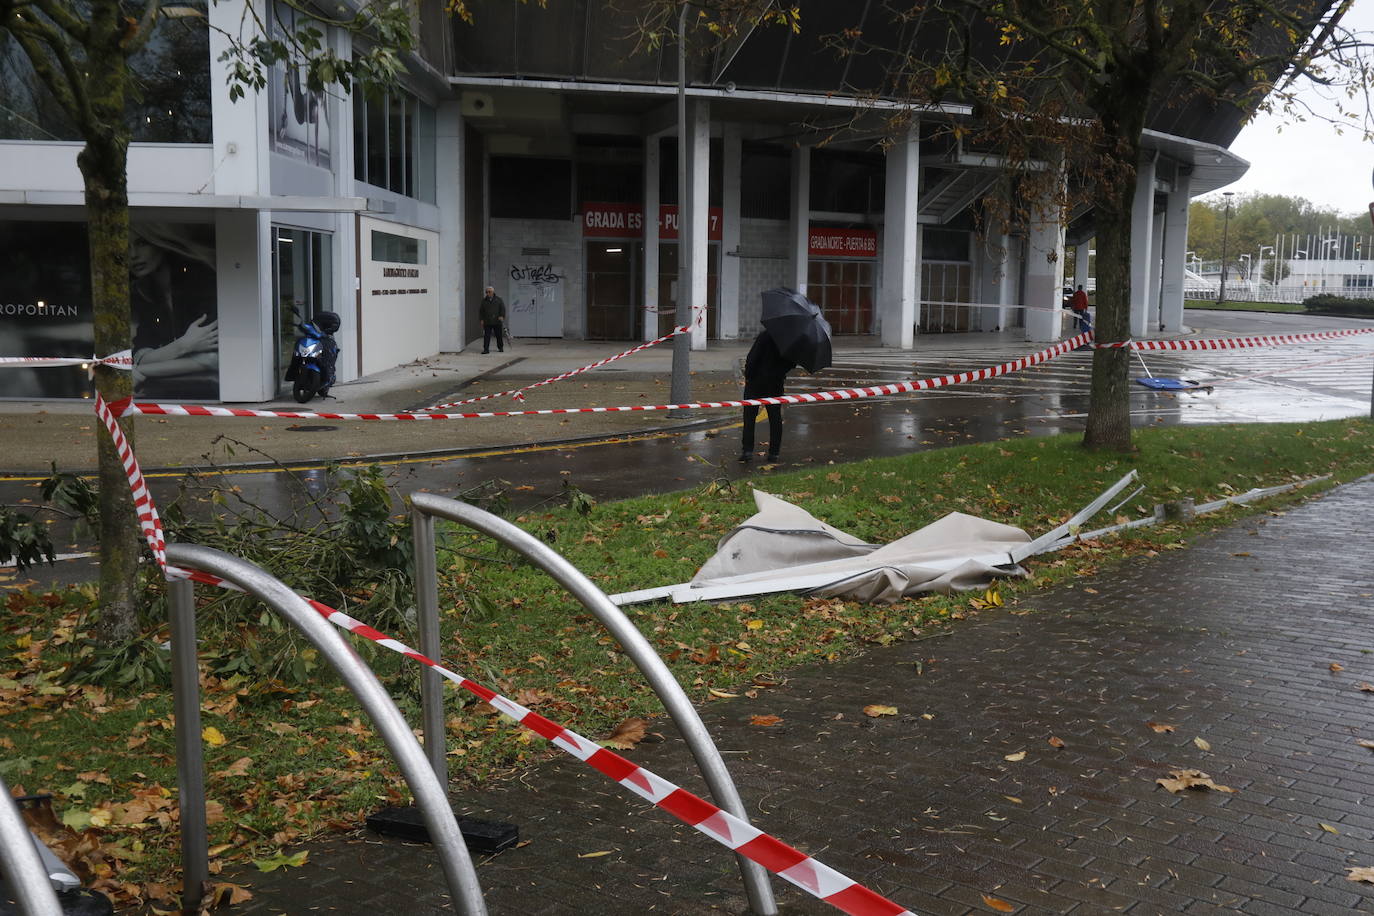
[[538, 152]]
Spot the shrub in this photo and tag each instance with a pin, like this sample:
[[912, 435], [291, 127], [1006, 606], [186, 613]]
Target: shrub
[[1328, 304]]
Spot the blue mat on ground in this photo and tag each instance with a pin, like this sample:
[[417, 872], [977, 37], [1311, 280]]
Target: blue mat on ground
[[1168, 384]]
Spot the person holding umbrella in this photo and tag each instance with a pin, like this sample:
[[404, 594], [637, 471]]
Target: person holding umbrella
[[794, 334], [765, 370]]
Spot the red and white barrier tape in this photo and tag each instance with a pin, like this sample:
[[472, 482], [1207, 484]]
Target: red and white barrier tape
[[128, 407], [1231, 343], [122, 360], [795, 866], [518, 393]]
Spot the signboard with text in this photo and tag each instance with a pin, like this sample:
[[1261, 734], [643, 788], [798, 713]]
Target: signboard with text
[[626, 221], [842, 243]]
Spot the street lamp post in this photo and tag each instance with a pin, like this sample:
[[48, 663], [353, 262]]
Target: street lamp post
[[1225, 232], [1326, 246], [1249, 277], [1260, 269]]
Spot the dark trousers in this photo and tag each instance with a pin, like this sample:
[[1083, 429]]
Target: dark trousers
[[488, 332], [774, 428]]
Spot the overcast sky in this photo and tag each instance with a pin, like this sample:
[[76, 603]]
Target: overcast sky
[[1310, 159]]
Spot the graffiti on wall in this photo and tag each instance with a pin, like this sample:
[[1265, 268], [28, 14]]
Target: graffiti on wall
[[534, 301]]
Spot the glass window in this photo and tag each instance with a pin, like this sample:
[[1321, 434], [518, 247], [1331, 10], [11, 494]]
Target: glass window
[[375, 130], [399, 249], [171, 76], [394, 138], [395, 144], [423, 158]]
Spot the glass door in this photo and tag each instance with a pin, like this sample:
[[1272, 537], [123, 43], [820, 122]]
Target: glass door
[[302, 278], [612, 278], [668, 283]]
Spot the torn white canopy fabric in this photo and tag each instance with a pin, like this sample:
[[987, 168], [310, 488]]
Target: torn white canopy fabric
[[784, 548]]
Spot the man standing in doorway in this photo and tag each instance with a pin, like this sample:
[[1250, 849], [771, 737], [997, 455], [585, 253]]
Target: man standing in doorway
[[492, 313], [1079, 304]]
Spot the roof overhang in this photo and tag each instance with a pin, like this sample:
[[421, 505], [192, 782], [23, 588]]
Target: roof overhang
[[1212, 166], [297, 203]]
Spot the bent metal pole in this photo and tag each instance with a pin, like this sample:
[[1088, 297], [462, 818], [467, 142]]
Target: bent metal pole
[[429, 793], [25, 876], [655, 671]]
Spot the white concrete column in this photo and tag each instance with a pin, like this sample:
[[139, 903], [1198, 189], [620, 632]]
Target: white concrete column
[[449, 164], [238, 129], [1175, 252], [997, 282], [693, 230], [901, 254], [345, 225], [1080, 264], [243, 283], [1045, 271], [731, 160], [799, 225], [652, 166], [1156, 264], [1144, 263]]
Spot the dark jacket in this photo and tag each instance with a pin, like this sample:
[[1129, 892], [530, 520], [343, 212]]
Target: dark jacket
[[492, 310], [765, 368]]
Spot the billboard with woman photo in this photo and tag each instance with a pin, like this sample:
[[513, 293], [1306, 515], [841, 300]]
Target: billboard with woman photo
[[45, 308]]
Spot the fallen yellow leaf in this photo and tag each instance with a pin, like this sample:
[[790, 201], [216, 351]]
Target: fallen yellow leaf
[[1336, 666], [873, 710], [627, 734], [1001, 906], [724, 695], [1202, 744], [1160, 726], [213, 736], [1191, 779], [1329, 829], [1019, 755], [1363, 873], [1056, 742], [593, 855], [754, 624]]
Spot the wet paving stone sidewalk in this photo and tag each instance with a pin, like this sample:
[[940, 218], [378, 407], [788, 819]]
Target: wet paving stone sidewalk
[[962, 803]]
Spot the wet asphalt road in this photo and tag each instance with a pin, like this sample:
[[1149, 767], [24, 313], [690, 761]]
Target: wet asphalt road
[[1315, 381]]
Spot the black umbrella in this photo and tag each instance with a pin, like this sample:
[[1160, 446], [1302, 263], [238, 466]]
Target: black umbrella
[[797, 327]]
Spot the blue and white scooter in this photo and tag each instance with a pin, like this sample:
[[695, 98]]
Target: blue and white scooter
[[312, 363]]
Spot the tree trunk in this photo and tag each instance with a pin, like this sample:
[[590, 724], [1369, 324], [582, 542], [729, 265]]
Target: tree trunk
[[1109, 406], [104, 166]]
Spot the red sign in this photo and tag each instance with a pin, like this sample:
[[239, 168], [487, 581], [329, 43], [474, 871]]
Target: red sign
[[626, 221], [842, 243]]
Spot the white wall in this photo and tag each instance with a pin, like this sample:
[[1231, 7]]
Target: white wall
[[179, 168], [399, 316], [563, 239], [765, 265], [243, 280]]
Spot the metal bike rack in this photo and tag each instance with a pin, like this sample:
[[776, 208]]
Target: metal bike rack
[[19, 863], [430, 793], [424, 508]]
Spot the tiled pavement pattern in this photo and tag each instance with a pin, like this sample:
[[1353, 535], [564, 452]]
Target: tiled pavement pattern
[[1231, 641]]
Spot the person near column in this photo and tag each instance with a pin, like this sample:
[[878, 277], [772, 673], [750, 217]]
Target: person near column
[[492, 313], [765, 370], [1082, 321]]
